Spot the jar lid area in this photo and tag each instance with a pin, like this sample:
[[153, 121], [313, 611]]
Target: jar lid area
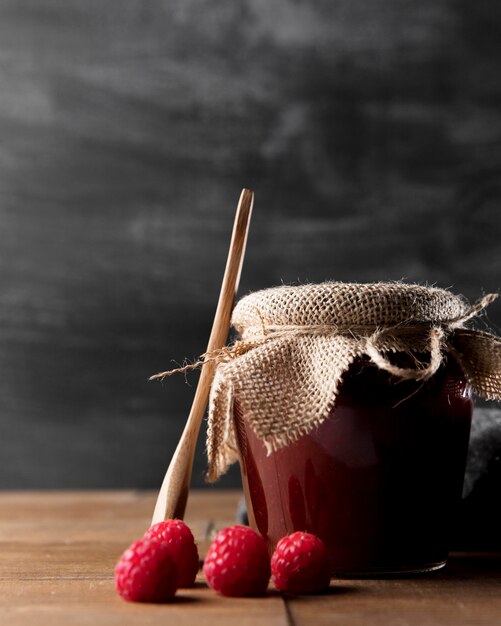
[[337, 303]]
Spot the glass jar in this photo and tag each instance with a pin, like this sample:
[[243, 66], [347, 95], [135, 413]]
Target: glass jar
[[378, 480]]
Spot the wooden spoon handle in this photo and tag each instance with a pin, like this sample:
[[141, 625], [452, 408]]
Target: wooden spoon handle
[[173, 495]]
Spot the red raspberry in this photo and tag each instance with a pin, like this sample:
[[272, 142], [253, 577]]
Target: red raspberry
[[237, 563], [146, 572], [300, 564], [179, 538]]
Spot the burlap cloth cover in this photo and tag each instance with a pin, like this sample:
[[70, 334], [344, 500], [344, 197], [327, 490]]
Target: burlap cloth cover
[[297, 342]]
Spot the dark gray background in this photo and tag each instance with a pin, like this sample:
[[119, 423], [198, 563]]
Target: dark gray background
[[370, 131]]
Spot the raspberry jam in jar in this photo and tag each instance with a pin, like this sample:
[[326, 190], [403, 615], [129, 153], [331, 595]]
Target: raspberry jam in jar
[[349, 408], [378, 481]]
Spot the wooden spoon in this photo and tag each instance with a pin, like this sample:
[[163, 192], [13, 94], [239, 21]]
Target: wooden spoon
[[173, 495]]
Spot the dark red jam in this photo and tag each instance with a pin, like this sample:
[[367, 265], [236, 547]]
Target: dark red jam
[[379, 480]]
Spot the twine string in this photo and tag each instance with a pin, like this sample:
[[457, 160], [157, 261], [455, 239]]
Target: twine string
[[373, 336]]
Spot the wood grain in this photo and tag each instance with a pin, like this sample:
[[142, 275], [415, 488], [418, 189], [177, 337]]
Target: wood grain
[[370, 131], [58, 551], [468, 592]]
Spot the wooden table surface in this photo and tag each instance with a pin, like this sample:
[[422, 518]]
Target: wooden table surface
[[58, 550]]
